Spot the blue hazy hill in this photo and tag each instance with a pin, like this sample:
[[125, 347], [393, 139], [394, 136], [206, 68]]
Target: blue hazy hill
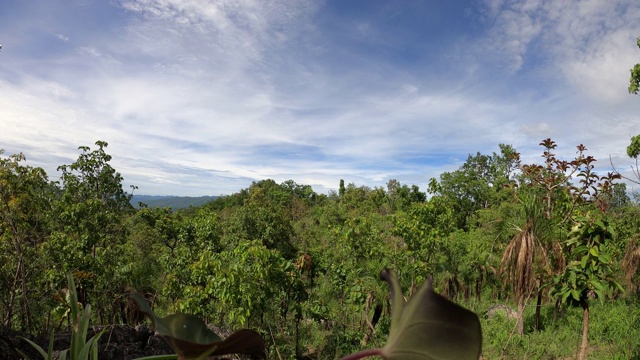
[[174, 202]]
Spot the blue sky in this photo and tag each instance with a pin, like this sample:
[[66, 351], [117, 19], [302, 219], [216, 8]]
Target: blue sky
[[201, 97]]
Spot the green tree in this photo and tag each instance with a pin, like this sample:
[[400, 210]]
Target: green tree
[[165, 225], [362, 199], [532, 254], [402, 196], [570, 189], [633, 151], [91, 230], [25, 195], [631, 261], [589, 272], [477, 184], [526, 262], [634, 80], [550, 194], [264, 216], [424, 228]]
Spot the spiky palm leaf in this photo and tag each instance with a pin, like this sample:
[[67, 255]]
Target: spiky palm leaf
[[525, 261], [517, 262]]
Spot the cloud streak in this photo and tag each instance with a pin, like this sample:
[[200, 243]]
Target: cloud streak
[[203, 97]]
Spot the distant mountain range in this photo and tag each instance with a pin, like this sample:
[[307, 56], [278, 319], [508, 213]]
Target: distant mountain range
[[174, 202]]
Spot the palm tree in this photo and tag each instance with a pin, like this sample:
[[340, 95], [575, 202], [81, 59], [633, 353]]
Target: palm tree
[[525, 263]]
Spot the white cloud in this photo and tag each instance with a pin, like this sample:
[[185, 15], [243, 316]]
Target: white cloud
[[591, 42], [200, 95], [539, 130], [91, 51], [517, 24], [238, 32]]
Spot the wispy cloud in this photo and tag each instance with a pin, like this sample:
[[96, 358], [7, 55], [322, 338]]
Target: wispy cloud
[[62, 37], [203, 97], [586, 42]]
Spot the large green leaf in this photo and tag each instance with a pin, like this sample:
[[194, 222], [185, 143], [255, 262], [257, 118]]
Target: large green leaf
[[190, 337], [429, 326]]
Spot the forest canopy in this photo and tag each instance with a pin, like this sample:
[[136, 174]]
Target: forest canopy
[[302, 268]]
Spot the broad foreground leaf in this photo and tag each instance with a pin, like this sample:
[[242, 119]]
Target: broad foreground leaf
[[190, 337], [429, 326]]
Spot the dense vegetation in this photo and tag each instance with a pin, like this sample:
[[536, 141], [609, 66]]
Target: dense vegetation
[[555, 241]]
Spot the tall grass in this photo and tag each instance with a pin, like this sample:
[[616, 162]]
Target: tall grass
[[614, 332]]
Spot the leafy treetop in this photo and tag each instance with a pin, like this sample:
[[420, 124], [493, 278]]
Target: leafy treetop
[[634, 80]]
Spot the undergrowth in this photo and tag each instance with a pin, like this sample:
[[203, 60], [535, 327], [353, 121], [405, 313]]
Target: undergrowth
[[614, 332]]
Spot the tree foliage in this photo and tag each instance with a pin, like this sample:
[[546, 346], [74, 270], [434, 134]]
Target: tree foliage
[[25, 201], [634, 80], [302, 268], [477, 184]]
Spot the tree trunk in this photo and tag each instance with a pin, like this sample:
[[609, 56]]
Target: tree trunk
[[520, 319], [538, 307], [298, 355], [25, 298], [556, 309], [377, 312], [479, 286], [12, 298], [585, 329]]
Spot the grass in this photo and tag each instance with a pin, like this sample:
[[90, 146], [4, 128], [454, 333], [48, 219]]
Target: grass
[[614, 332]]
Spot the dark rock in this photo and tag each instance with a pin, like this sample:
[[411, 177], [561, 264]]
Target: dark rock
[[10, 342], [156, 345], [118, 342]]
